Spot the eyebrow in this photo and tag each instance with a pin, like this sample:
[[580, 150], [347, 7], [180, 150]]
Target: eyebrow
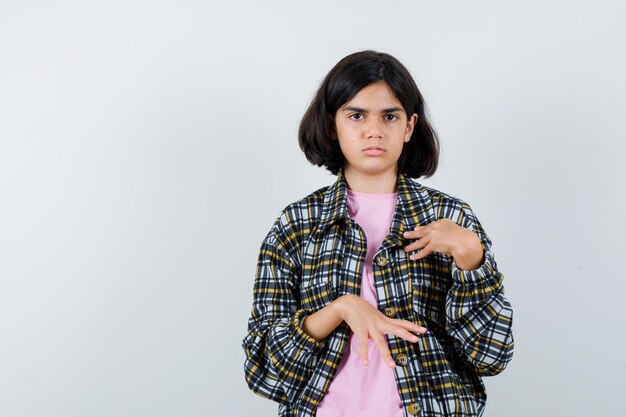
[[360, 110]]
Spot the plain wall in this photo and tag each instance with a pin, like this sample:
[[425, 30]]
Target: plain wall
[[147, 147]]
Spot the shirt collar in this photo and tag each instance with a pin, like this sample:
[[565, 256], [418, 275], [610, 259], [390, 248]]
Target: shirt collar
[[413, 207]]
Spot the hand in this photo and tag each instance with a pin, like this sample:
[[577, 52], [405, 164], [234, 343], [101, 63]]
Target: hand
[[367, 322], [447, 237]]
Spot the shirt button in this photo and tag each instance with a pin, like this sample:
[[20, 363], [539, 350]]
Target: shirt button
[[415, 409], [402, 359], [381, 260], [390, 311]]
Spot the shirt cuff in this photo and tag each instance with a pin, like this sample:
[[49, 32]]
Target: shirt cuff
[[474, 276], [302, 339]]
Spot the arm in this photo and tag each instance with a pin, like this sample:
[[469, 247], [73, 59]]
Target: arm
[[324, 321], [478, 316], [279, 354]]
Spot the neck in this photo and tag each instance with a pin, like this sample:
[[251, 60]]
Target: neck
[[378, 183]]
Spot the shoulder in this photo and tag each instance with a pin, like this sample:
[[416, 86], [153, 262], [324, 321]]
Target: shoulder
[[305, 210], [295, 221], [443, 200], [309, 205], [449, 206]]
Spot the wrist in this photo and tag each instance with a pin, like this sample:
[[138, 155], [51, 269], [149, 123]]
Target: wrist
[[469, 256], [339, 306]]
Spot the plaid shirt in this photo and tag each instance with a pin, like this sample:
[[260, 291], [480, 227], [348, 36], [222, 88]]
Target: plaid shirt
[[315, 252]]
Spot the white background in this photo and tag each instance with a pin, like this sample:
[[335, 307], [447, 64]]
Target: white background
[[147, 147]]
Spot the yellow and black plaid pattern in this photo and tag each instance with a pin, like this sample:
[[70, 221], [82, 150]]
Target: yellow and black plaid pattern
[[314, 253]]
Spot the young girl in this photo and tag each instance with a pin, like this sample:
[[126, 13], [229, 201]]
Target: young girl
[[375, 296]]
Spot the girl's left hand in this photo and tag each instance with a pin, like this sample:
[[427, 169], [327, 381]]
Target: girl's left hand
[[447, 237]]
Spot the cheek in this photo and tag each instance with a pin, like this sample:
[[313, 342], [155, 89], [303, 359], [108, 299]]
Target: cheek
[[398, 148], [348, 140], [347, 133], [347, 146]]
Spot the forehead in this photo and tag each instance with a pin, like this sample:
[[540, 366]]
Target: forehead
[[374, 95]]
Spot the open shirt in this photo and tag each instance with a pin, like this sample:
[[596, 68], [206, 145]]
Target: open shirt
[[315, 253]]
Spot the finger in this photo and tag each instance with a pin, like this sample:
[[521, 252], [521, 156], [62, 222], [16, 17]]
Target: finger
[[381, 343], [404, 329], [412, 246], [418, 244], [417, 328], [409, 325], [363, 339], [406, 335], [421, 254], [416, 233]]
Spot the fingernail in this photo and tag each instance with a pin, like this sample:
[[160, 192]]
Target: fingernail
[[405, 234]]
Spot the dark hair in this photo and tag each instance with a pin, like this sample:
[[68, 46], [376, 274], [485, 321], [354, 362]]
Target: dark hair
[[354, 72]]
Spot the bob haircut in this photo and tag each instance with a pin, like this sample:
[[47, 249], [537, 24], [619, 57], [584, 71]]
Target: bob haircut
[[420, 154]]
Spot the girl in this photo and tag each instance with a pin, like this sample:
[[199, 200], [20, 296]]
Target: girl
[[375, 296]]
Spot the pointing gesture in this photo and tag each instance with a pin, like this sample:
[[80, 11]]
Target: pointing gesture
[[447, 237]]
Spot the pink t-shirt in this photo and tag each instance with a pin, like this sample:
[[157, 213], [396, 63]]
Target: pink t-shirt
[[358, 390]]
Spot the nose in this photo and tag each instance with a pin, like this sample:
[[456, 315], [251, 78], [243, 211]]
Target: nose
[[374, 129]]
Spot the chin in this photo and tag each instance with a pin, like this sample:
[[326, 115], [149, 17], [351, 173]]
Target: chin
[[374, 170]]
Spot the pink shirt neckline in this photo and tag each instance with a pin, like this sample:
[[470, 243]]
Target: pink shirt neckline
[[372, 196]]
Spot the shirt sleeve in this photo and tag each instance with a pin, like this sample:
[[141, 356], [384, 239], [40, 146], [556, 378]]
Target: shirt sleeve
[[478, 315], [279, 354]]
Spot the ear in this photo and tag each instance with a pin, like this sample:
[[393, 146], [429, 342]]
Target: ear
[[411, 123]]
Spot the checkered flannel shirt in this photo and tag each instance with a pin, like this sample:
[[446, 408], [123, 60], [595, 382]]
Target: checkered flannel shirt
[[315, 252]]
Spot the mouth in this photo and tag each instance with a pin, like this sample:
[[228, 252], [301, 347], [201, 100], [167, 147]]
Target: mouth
[[374, 151]]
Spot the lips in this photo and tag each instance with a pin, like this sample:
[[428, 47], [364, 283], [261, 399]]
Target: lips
[[374, 151]]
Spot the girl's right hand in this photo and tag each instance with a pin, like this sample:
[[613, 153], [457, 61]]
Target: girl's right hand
[[367, 322]]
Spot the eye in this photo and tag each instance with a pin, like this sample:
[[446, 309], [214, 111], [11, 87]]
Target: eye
[[356, 114], [392, 115]]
